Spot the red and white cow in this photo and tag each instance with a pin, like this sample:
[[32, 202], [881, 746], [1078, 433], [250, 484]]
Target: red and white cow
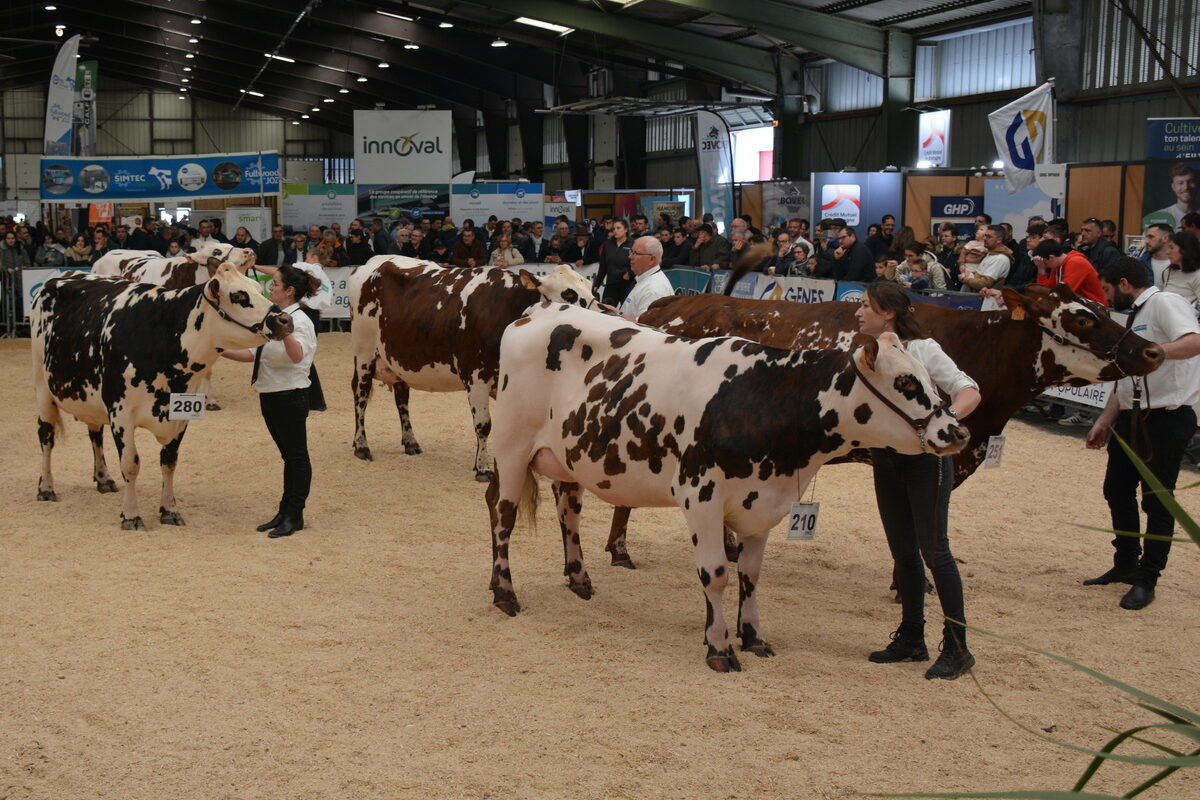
[[418, 325], [641, 418], [111, 352]]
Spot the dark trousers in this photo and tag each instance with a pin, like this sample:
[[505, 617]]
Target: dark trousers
[[913, 493], [1168, 433], [286, 415], [316, 397]]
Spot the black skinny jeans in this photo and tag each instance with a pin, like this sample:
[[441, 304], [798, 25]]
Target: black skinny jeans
[[1168, 432], [913, 493], [286, 415]]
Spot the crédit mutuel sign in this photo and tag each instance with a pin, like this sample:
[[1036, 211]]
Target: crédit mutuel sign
[[402, 147]]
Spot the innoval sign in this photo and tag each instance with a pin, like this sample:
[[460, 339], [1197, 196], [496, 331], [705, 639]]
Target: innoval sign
[[402, 147]]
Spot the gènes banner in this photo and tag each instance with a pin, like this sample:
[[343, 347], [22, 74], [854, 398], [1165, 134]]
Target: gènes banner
[[159, 177], [402, 147]]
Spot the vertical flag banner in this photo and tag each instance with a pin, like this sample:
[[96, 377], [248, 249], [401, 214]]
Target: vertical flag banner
[[60, 100], [1024, 134], [933, 138], [715, 163], [83, 115]]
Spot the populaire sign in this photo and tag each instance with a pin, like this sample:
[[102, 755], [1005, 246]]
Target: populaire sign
[[402, 146]]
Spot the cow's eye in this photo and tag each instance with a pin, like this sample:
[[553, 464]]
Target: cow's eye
[[241, 298]]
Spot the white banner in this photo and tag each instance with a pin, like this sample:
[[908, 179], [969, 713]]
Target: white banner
[[1094, 394], [304, 204], [402, 147], [478, 201], [255, 219], [783, 200], [1024, 134], [60, 101], [715, 164], [339, 280], [933, 139]]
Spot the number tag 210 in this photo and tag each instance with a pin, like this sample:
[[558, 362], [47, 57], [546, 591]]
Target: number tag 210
[[802, 522], [186, 406]]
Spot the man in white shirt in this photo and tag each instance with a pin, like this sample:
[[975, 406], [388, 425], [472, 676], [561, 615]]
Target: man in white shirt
[[206, 235], [649, 281], [1154, 415], [1183, 184]]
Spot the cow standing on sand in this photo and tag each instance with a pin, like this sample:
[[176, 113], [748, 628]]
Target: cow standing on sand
[[641, 418], [1046, 337], [175, 272], [417, 325], [108, 351]]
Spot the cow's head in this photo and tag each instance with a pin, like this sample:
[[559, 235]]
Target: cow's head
[[244, 317], [1079, 343], [563, 285], [905, 411], [212, 256]]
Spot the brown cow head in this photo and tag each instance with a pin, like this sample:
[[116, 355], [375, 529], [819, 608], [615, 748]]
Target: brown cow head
[[563, 285], [1080, 344]]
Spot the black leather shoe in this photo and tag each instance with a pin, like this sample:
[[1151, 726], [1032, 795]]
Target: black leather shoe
[[1114, 575], [1138, 597], [287, 527], [905, 646], [266, 526]]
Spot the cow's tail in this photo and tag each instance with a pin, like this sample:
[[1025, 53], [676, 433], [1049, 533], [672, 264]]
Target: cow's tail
[[528, 506], [746, 264]]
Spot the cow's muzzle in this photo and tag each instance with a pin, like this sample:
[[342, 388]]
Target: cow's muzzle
[[280, 325], [948, 441]]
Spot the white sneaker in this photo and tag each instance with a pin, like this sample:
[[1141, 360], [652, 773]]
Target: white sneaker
[[1078, 419]]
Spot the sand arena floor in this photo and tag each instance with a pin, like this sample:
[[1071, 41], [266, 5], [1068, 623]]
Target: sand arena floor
[[362, 658]]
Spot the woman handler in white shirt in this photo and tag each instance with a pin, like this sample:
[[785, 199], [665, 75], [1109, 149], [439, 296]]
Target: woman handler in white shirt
[[280, 377], [913, 494], [313, 307]]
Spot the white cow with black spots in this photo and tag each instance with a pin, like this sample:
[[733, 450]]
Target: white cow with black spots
[[641, 418]]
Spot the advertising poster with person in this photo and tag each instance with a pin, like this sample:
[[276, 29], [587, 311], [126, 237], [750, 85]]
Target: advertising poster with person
[[1169, 192]]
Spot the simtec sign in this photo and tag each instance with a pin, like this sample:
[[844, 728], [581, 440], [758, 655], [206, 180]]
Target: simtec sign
[[399, 147]]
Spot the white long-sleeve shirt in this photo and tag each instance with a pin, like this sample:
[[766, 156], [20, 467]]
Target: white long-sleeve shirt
[[276, 371]]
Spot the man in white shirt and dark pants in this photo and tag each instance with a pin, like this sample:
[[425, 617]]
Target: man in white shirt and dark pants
[[649, 281], [281, 379], [1154, 415]]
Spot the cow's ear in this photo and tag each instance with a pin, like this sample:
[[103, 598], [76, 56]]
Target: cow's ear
[[212, 290], [529, 281], [867, 353], [1017, 305]]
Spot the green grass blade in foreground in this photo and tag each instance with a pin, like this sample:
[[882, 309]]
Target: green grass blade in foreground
[[1132, 734], [1131, 534], [1168, 500], [1156, 778]]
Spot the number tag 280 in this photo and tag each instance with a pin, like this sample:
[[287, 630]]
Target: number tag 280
[[186, 406], [802, 522]]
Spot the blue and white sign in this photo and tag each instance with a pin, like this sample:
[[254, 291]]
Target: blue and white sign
[[963, 206], [714, 160], [106, 180], [1173, 138], [478, 201]]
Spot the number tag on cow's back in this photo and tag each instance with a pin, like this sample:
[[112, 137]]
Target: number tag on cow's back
[[802, 522], [995, 451], [186, 406]]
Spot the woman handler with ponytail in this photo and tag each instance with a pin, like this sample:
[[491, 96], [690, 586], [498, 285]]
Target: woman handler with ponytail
[[281, 379]]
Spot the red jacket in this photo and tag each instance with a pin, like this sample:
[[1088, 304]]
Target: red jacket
[[1078, 273]]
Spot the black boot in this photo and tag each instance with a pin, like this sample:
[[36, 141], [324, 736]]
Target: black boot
[[908, 644], [290, 524], [275, 520], [954, 658]]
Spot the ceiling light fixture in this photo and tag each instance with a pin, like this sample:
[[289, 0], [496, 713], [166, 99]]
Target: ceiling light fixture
[[295, 122], [304, 116], [327, 100], [189, 55], [997, 164], [195, 20], [499, 42], [411, 46], [343, 90], [395, 16], [193, 40], [316, 109], [280, 58], [59, 30], [251, 92], [52, 8], [187, 69], [362, 79], [444, 24], [185, 80], [550, 26], [383, 65]]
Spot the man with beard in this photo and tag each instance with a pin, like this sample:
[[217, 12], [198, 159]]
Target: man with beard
[[1183, 184], [1154, 415], [1153, 257]]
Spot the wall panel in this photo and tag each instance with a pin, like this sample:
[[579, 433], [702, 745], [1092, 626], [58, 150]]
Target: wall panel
[[1093, 192]]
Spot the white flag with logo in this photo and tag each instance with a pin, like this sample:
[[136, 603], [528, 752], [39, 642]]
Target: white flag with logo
[[1024, 134], [714, 160], [60, 101]]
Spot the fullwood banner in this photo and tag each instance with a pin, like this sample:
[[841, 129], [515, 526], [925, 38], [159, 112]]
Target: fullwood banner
[[159, 177]]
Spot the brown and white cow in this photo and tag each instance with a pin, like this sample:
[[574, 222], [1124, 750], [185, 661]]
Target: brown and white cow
[[108, 351], [1047, 337], [176, 272], [642, 418], [417, 325]]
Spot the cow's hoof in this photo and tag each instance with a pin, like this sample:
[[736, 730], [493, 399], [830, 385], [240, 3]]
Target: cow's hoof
[[759, 648], [483, 477], [509, 606], [106, 487], [134, 524], [170, 517], [363, 453], [211, 406], [412, 449], [623, 560], [725, 661], [47, 494], [582, 590]]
